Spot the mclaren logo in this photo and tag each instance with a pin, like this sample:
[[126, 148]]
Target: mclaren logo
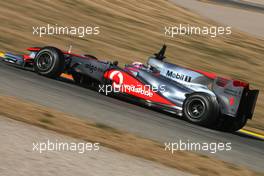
[[182, 77]]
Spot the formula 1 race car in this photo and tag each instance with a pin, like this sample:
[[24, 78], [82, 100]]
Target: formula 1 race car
[[202, 98]]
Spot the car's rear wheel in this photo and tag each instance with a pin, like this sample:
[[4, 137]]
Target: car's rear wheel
[[201, 109], [49, 62]]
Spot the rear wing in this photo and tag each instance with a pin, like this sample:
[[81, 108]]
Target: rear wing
[[234, 97]]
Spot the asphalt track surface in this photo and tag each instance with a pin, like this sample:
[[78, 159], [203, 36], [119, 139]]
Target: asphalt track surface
[[88, 104]]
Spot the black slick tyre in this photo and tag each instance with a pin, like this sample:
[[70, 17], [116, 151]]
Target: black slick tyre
[[49, 62]]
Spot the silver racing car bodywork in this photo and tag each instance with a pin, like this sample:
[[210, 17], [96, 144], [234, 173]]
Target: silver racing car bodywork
[[233, 96]]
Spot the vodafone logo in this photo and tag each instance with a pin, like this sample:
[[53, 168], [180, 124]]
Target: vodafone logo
[[117, 78]]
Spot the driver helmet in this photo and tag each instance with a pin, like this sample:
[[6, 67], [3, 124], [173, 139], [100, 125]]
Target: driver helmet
[[138, 64]]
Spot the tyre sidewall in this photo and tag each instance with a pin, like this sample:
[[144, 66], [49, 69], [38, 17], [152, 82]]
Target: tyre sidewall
[[57, 59], [211, 109]]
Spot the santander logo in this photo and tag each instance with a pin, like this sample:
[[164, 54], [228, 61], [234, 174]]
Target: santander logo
[[117, 78]]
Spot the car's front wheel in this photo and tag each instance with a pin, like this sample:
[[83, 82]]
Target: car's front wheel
[[49, 62], [201, 109]]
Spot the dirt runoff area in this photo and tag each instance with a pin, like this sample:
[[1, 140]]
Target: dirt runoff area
[[18, 154]]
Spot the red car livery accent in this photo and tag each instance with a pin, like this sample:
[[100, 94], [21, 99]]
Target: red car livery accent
[[126, 83]]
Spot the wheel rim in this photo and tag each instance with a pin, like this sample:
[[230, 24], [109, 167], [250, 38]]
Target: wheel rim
[[196, 108], [44, 61]]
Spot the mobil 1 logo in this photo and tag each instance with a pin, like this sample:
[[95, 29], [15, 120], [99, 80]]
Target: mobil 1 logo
[[178, 76]]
